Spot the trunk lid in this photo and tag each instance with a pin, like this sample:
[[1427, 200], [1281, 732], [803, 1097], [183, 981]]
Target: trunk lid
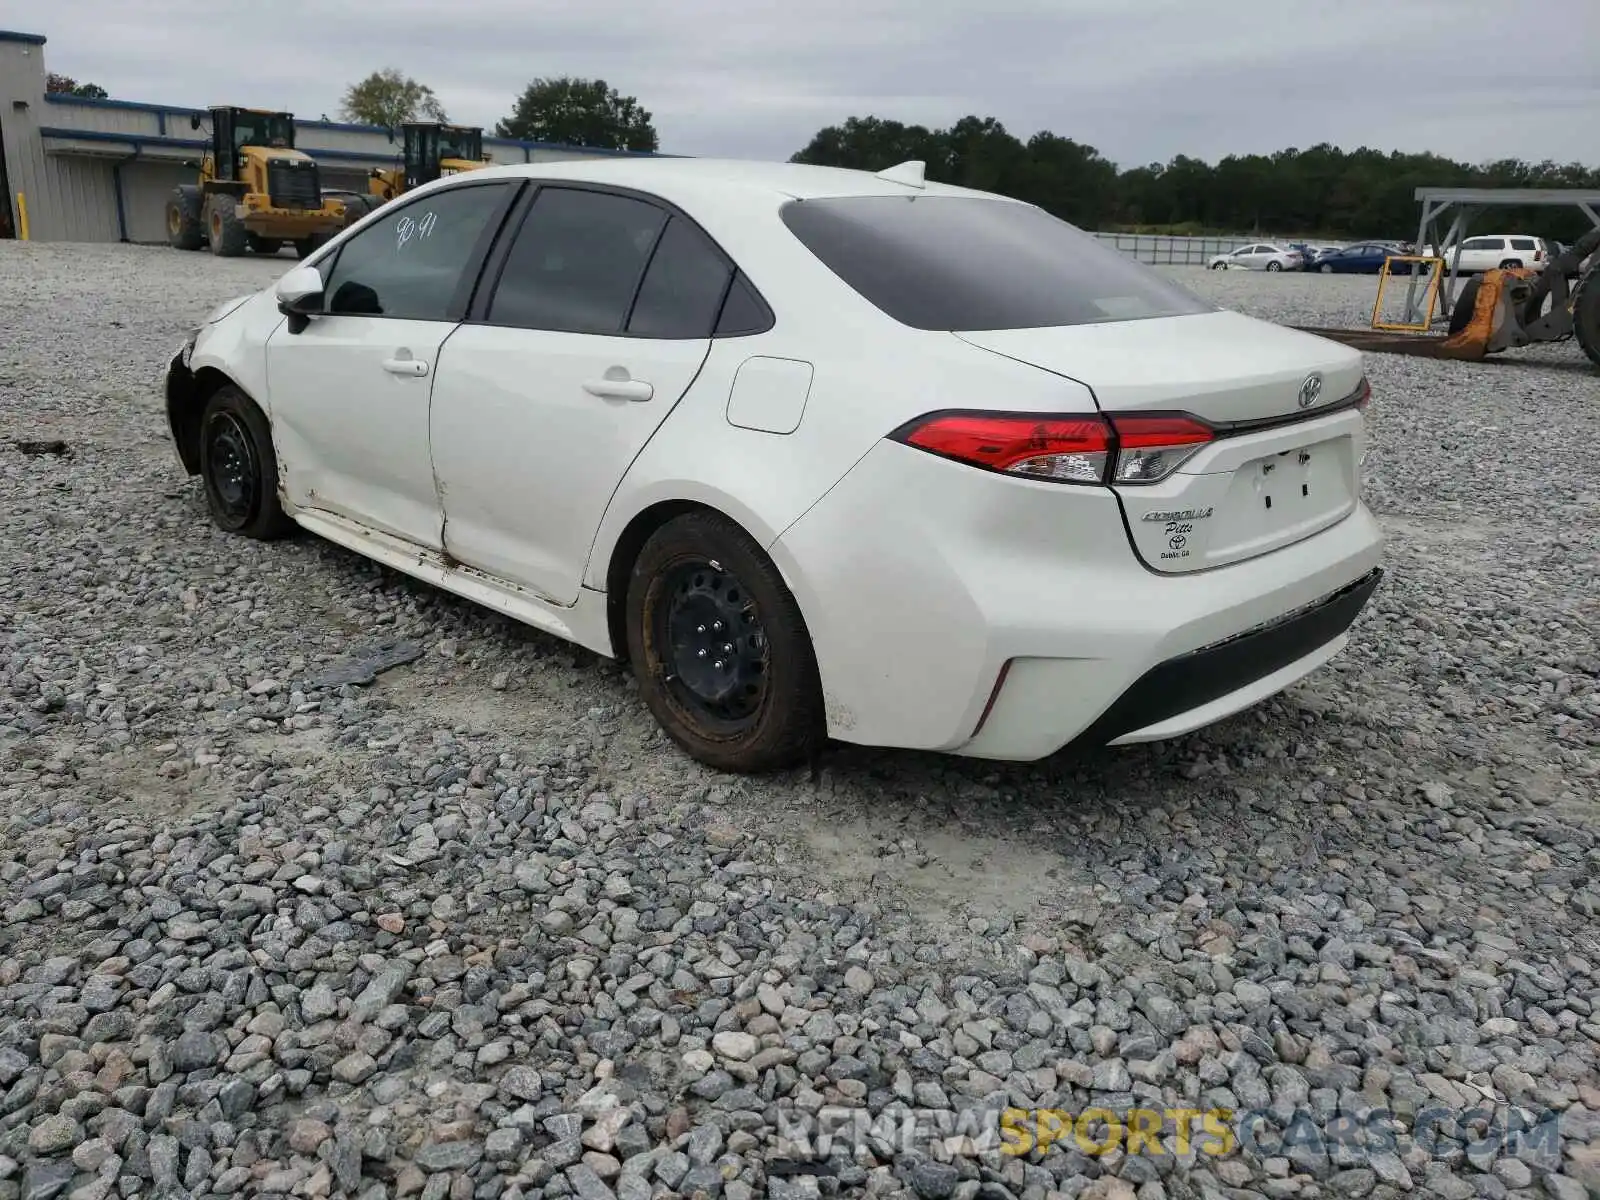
[[1277, 472]]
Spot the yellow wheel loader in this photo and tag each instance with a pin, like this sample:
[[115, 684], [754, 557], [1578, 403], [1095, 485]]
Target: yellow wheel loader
[[256, 191], [1506, 308], [430, 151]]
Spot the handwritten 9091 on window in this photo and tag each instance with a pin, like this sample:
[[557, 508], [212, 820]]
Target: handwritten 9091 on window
[[406, 228]]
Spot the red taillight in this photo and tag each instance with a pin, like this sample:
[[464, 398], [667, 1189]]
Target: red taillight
[[1364, 395], [1068, 449], [1122, 448]]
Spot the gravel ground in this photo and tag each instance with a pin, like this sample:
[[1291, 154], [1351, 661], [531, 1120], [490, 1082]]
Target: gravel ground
[[477, 930]]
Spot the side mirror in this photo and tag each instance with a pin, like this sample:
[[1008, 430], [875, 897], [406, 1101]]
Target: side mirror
[[299, 295]]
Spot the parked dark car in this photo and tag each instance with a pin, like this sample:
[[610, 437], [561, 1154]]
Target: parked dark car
[[1363, 258]]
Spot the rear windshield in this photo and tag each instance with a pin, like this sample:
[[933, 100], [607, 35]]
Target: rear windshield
[[969, 263]]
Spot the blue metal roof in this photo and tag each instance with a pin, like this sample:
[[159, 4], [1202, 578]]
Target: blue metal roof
[[30, 39]]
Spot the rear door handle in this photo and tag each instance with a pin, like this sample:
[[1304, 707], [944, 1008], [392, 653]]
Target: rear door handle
[[619, 389], [413, 367]]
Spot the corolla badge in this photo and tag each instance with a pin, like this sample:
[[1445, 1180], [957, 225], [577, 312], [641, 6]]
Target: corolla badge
[[1311, 390]]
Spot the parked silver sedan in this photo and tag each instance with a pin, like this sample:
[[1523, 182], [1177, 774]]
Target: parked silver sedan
[[1260, 256]]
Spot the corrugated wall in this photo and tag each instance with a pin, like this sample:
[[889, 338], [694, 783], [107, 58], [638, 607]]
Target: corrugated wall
[[67, 198], [70, 194]]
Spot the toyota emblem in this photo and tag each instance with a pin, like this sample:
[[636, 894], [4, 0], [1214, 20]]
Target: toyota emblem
[[1311, 390]]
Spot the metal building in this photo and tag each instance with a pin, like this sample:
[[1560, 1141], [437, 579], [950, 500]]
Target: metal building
[[102, 170]]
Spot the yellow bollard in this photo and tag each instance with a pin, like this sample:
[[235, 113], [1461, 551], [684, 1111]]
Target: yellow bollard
[[22, 215]]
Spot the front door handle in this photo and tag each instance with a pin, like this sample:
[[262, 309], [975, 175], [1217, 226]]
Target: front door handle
[[619, 389], [404, 364]]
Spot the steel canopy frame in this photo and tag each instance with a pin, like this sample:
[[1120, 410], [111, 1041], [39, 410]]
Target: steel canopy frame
[[1468, 203]]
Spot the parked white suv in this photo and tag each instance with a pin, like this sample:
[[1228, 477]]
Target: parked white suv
[[1262, 256], [1489, 251]]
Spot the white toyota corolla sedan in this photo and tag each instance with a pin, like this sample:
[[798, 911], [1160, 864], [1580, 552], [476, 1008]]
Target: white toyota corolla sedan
[[819, 452]]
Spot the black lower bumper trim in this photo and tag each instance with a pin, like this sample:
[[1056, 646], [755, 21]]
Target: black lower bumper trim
[[1201, 676]]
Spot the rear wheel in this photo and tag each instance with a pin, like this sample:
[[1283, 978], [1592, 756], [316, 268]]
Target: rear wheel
[[185, 229], [1510, 264], [1274, 266], [265, 245], [239, 467], [1219, 266], [224, 229], [1586, 314], [721, 652]]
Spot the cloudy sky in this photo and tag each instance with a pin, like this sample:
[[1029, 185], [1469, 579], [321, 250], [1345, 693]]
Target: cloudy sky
[[1140, 79]]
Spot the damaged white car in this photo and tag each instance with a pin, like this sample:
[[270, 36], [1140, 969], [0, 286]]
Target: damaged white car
[[820, 452]]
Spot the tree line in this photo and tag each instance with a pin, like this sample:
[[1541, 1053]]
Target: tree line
[[1323, 191]]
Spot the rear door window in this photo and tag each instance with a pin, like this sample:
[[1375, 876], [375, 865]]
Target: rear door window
[[974, 263], [1523, 244], [577, 262], [683, 289]]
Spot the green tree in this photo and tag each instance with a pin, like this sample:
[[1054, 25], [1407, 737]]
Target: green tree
[[1322, 191], [579, 112], [389, 98], [872, 144], [65, 85]]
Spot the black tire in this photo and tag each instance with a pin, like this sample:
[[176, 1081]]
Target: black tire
[[1274, 266], [762, 710], [1586, 314], [185, 227], [1510, 264], [224, 230], [239, 467], [265, 245], [1219, 266], [356, 207], [1461, 312], [307, 246]]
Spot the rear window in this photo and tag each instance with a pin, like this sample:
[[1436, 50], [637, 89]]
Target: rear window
[[970, 263]]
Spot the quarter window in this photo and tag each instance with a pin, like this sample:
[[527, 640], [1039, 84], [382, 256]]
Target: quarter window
[[413, 264]]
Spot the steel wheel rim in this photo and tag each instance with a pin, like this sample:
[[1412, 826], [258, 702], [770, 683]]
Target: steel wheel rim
[[711, 647], [232, 476]]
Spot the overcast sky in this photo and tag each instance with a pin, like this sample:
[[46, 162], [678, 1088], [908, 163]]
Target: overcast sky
[[1141, 80]]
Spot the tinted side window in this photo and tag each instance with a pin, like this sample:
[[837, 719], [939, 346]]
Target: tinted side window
[[412, 263], [577, 261], [743, 312], [1484, 243], [684, 287], [1522, 244], [973, 263]]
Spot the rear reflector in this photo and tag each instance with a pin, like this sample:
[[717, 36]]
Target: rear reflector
[[1123, 448]]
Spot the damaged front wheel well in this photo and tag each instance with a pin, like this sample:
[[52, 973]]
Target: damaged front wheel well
[[187, 394]]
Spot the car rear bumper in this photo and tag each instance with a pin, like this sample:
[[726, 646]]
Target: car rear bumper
[[954, 609], [1204, 685]]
